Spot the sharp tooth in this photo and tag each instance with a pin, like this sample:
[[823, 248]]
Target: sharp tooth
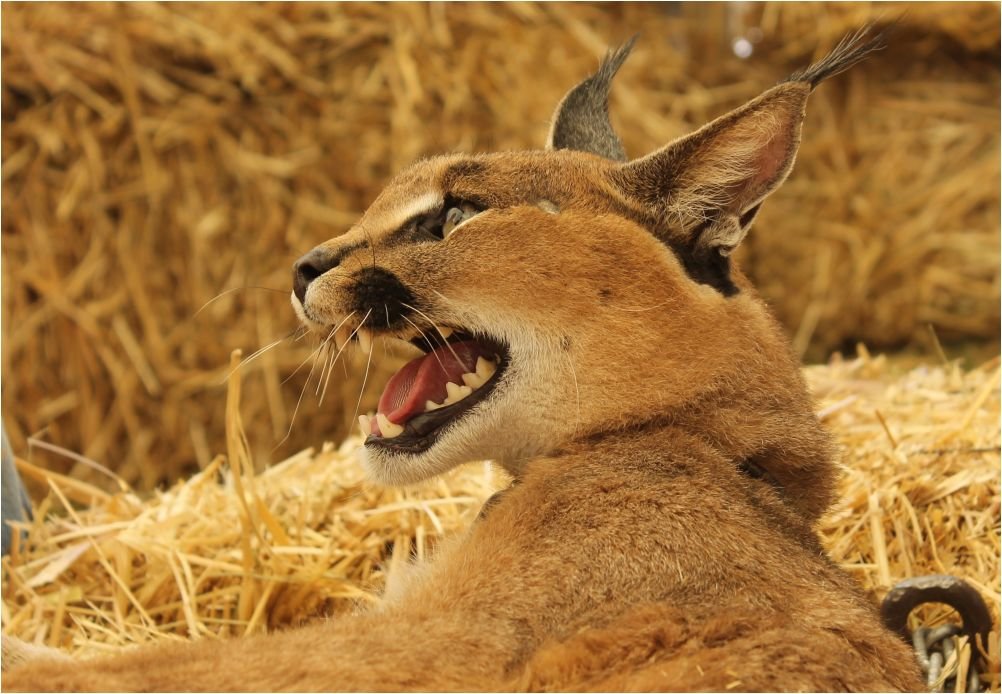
[[485, 368], [387, 428], [365, 425], [341, 337], [456, 393], [445, 332], [364, 340], [473, 380], [453, 390], [429, 405]]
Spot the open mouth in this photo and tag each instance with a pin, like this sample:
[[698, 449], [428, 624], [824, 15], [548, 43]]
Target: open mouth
[[431, 392]]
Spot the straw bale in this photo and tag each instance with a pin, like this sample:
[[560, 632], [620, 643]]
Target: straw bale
[[164, 164], [230, 551]]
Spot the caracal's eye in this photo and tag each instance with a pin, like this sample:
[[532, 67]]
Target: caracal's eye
[[455, 216], [446, 219]]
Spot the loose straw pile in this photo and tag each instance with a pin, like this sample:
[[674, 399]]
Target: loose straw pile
[[164, 165], [231, 551]]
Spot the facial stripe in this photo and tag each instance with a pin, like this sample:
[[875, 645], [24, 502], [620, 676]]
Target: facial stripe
[[422, 204]]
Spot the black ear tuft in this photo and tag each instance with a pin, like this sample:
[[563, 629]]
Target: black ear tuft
[[850, 50], [581, 121]]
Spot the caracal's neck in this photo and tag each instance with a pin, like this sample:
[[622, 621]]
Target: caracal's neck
[[772, 434]]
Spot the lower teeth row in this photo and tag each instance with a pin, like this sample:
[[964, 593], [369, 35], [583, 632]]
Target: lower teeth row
[[455, 392]]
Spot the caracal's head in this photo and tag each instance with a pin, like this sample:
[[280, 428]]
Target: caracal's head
[[567, 292]]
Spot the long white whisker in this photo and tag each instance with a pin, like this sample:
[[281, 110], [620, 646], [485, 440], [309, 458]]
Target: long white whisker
[[223, 293], [255, 355], [361, 390], [326, 356], [447, 300], [338, 355], [433, 351], [330, 352], [329, 365], [365, 378], [443, 296], [299, 402], [302, 363], [435, 327]]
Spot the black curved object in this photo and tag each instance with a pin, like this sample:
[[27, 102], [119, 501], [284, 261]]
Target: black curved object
[[949, 590]]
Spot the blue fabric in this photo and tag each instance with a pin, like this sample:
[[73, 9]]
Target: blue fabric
[[14, 504]]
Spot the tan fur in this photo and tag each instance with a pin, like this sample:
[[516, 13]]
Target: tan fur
[[633, 552]]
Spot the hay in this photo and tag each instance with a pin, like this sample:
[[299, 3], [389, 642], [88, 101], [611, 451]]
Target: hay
[[229, 552], [886, 188], [158, 156]]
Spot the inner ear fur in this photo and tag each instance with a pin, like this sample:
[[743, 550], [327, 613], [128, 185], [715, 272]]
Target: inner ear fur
[[703, 190], [707, 186]]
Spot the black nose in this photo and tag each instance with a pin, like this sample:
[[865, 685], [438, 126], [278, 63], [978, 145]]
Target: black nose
[[309, 267]]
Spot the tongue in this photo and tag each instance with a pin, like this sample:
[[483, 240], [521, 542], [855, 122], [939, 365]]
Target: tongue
[[424, 379]]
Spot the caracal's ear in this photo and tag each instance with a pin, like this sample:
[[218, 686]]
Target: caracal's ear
[[707, 187], [581, 121]]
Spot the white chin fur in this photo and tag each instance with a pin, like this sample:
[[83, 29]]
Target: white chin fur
[[392, 468]]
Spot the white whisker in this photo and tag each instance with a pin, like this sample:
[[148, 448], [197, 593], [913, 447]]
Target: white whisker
[[418, 328], [436, 328], [223, 293], [443, 296], [323, 368], [299, 402], [338, 355], [302, 363], [331, 362], [255, 355], [328, 353], [365, 378]]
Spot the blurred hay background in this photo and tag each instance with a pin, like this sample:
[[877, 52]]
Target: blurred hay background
[[157, 156], [229, 552]]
